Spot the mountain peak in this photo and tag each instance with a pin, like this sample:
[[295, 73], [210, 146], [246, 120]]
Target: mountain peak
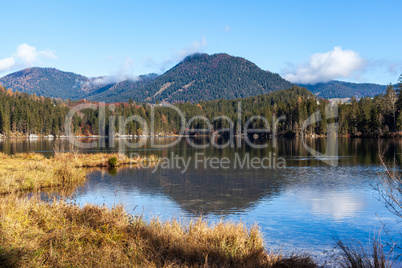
[[218, 76], [194, 56]]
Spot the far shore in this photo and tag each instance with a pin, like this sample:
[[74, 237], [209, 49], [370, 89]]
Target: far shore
[[198, 135]]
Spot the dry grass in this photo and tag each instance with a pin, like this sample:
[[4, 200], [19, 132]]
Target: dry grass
[[23, 172], [37, 234], [357, 256], [101, 159], [30, 171]]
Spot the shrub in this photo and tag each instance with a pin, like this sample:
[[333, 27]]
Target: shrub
[[112, 162]]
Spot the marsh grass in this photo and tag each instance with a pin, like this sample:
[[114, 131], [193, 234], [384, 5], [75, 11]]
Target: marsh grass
[[31, 171], [34, 233], [355, 255]]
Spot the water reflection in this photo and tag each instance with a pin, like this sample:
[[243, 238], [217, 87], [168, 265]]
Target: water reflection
[[220, 192], [336, 204], [297, 207], [300, 206], [203, 192], [358, 151]]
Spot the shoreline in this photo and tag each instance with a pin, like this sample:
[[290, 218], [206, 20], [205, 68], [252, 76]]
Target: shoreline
[[48, 137]]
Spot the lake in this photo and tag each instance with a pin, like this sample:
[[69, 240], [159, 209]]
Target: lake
[[299, 202]]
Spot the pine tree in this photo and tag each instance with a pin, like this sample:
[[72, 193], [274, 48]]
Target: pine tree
[[6, 122]]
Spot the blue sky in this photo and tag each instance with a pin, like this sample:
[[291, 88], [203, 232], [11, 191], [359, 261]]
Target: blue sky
[[304, 41]]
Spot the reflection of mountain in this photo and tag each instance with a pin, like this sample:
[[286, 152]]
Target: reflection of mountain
[[225, 191], [213, 191], [201, 191]]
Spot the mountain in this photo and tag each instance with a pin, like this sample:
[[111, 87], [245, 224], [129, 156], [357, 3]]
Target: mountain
[[198, 77], [48, 82], [339, 89], [122, 91], [208, 77]]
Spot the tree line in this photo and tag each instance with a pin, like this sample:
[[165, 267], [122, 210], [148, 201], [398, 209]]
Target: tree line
[[30, 114]]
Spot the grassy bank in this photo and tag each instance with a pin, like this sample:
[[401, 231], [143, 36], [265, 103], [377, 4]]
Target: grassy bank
[[30, 171], [34, 233], [38, 234]]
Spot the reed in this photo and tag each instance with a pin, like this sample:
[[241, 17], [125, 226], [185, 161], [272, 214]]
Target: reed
[[31, 171], [355, 255], [34, 233]]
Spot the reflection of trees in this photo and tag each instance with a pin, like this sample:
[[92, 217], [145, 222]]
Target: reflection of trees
[[351, 151], [358, 150]]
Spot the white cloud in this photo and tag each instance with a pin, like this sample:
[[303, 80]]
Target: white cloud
[[125, 72], [6, 64], [394, 67], [195, 46], [177, 55], [50, 54], [324, 67], [25, 56]]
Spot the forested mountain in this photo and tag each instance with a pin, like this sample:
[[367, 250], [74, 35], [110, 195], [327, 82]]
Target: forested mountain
[[210, 77], [122, 91], [339, 89], [49, 82], [198, 77]]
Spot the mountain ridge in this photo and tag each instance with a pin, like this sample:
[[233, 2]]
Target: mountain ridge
[[341, 89], [48, 82], [197, 77]]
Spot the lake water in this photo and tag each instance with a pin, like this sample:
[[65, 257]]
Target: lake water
[[299, 204]]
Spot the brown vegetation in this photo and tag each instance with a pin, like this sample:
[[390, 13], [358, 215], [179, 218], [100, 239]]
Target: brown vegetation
[[30, 171], [38, 234]]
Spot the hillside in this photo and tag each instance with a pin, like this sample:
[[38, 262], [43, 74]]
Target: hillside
[[197, 77], [48, 82], [339, 89], [208, 77], [122, 91]]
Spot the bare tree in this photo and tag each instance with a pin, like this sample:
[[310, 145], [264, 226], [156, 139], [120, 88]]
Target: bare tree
[[390, 190], [390, 185], [390, 99]]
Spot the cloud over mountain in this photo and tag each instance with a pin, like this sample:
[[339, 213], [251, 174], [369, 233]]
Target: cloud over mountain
[[177, 55], [323, 67], [125, 72], [25, 56]]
